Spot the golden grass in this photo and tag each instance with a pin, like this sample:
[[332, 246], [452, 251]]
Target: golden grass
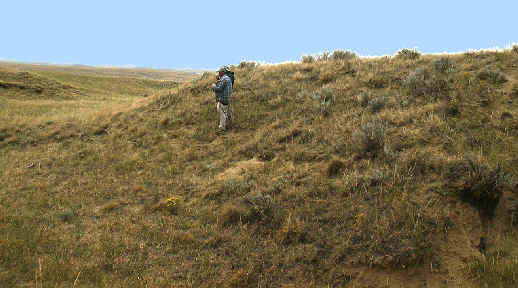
[[127, 184], [140, 73]]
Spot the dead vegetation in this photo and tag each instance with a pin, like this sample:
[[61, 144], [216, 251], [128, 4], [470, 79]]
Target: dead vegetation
[[339, 172]]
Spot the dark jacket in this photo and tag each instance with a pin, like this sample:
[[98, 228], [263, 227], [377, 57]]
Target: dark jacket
[[223, 90]]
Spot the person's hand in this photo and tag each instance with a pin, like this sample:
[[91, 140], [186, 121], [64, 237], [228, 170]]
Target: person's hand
[[213, 85]]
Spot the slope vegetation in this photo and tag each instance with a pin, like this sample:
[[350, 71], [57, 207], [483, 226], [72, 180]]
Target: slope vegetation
[[343, 172], [29, 97]]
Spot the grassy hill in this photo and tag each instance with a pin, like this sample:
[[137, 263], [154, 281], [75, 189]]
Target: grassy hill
[[37, 93], [338, 172], [141, 73]]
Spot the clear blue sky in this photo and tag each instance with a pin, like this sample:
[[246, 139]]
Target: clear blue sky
[[208, 34]]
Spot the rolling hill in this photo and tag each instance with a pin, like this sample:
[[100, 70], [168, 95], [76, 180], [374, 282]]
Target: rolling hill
[[338, 172]]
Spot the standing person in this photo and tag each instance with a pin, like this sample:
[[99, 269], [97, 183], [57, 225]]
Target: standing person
[[223, 91]]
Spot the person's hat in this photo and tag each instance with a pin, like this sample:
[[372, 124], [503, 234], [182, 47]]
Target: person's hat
[[224, 69]]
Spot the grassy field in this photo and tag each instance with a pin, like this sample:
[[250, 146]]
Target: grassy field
[[337, 172], [36, 93], [141, 73]]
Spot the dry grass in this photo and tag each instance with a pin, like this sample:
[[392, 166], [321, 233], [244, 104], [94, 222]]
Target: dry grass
[[139, 73], [140, 191]]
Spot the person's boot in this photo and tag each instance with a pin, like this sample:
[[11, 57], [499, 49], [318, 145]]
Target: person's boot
[[220, 131]]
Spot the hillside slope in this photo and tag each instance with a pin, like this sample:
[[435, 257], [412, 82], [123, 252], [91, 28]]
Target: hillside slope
[[28, 97], [337, 173], [140, 73]]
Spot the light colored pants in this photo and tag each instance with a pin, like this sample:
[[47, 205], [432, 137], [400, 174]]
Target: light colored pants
[[225, 116]]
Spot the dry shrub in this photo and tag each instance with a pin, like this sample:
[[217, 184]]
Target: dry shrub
[[363, 98], [252, 208], [483, 188], [444, 65], [376, 104], [492, 76], [323, 99], [408, 54], [369, 140], [334, 167], [423, 83], [323, 56], [343, 55], [247, 65], [308, 59], [478, 184], [260, 207]]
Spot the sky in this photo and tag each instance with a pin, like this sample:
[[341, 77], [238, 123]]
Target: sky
[[208, 34]]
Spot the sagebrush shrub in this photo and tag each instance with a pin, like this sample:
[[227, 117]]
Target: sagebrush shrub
[[515, 49], [343, 55], [377, 103], [478, 184], [492, 76], [323, 56], [423, 83], [261, 206], [323, 100], [308, 59], [247, 65], [443, 65], [369, 140], [408, 54]]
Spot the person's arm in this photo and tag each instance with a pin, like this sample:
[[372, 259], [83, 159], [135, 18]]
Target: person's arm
[[219, 86]]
